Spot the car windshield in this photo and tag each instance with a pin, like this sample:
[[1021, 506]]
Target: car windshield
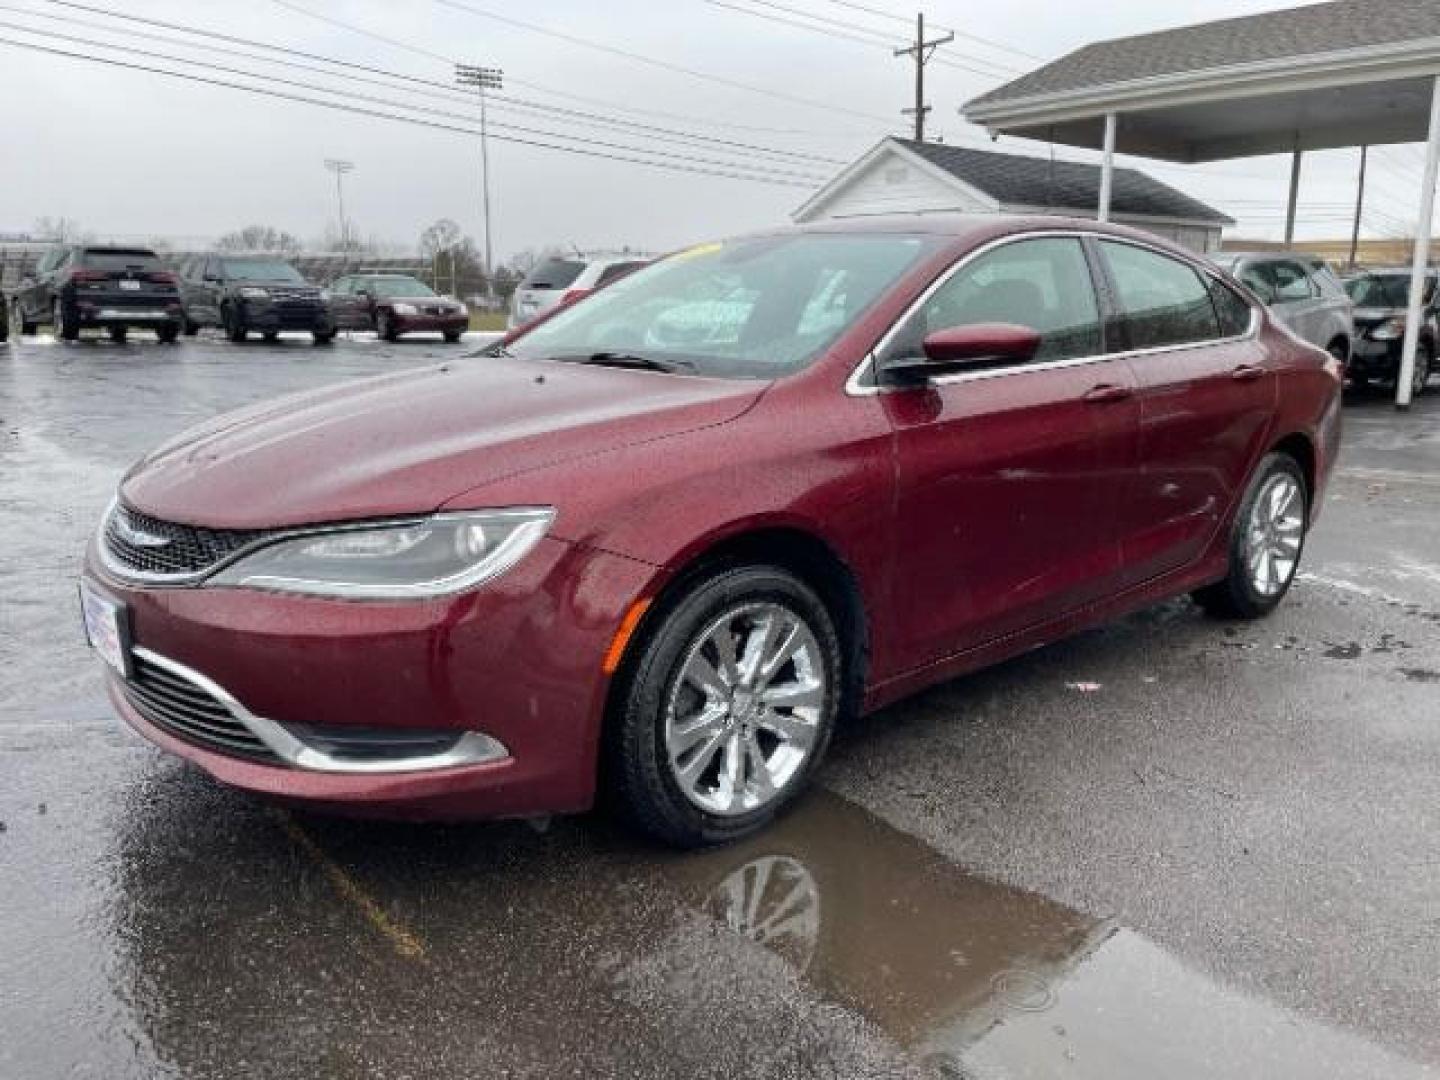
[[396, 286], [261, 270], [1383, 290], [754, 308]]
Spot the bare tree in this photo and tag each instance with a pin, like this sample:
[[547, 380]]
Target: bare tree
[[259, 238]]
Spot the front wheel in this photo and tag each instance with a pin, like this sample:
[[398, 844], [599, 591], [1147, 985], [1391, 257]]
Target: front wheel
[[235, 329], [323, 337], [169, 333], [1424, 362], [727, 708], [452, 336], [118, 334], [1266, 542], [66, 328], [385, 328]]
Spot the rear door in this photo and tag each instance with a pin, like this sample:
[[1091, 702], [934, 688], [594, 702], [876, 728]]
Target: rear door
[[1207, 398], [1007, 475], [1298, 302]]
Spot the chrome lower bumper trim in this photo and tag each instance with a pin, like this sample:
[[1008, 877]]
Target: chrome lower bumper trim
[[472, 747]]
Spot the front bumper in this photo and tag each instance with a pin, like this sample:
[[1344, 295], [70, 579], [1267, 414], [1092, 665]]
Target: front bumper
[[1375, 359], [446, 324], [518, 660], [270, 315]]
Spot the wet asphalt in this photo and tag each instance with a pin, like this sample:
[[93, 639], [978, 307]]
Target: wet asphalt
[[1169, 847]]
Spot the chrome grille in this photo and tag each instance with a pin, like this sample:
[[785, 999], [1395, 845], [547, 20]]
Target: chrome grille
[[188, 712], [145, 545]]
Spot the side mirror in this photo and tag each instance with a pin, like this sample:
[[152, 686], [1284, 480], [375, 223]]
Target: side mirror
[[958, 348]]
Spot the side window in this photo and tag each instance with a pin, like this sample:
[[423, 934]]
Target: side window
[[1291, 282], [615, 270], [1232, 311], [1257, 278], [1162, 300], [1044, 284]]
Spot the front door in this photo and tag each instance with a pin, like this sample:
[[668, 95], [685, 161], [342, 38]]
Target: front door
[[1007, 476], [1207, 397]]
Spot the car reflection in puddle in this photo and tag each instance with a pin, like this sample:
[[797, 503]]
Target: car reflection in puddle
[[980, 979]]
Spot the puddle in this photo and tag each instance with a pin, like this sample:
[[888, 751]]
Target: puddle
[[983, 980]]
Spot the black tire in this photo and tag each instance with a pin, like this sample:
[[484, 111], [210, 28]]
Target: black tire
[[119, 334], [452, 336], [323, 337], [1424, 367], [1237, 596], [235, 329], [271, 336], [191, 328], [385, 328], [65, 329], [168, 333], [23, 326], [639, 775]]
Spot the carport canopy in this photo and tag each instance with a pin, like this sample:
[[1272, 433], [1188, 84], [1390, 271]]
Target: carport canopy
[[1344, 73]]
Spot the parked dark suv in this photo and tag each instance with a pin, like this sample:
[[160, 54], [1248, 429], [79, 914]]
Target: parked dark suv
[[1382, 303], [77, 287], [246, 293]]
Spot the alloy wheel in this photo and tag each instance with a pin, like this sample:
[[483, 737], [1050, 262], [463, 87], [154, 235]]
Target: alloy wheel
[[744, 711], [1421, 378], [1276, 528]]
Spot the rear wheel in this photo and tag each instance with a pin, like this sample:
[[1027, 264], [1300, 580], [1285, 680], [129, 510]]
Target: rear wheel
[[271, 336], [452, 336], [65, 327], [191, 328], [727, 708], [234, 325], [118, 334], [168, 334], [1266, 542], [385, 327], [323, 337], [22, 325]]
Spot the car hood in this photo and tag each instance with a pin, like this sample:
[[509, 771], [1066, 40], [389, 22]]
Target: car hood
[[406, 443]]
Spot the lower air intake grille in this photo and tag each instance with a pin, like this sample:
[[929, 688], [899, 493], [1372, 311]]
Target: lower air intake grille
[[188, 712]]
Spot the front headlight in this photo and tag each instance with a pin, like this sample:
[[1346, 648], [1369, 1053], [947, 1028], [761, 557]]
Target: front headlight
[[415, 559], [253, 292], [404, 309]]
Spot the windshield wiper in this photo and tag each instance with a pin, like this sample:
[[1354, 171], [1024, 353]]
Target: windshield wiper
[[628, 360]]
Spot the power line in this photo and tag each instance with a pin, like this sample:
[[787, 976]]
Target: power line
[[880, 40], [435, 89], [391, 103], [948, 29], [671, 162], [417, 50], [664, 65]]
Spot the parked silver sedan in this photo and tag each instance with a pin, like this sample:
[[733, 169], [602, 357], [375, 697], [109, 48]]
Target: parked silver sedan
[[1303, 294]]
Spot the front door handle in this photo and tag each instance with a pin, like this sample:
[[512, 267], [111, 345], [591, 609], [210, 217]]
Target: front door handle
[[1247, 373], [1107, 393]]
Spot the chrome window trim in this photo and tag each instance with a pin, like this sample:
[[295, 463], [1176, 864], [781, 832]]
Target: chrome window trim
[[855, 387], [472, 748]]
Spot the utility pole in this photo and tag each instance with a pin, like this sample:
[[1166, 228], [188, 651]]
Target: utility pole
[[1359, 206], [482, 79], [922, 51], [340, 168]]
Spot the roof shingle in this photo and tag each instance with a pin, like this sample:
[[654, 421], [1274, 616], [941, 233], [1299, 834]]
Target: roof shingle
[[1019, 180], [1274, 35]]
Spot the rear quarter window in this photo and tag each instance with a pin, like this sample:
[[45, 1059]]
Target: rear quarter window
[[553, 274], [1163, 301], [616, 270]]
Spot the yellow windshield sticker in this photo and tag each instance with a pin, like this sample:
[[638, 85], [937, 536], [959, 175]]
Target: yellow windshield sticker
[[698, 250]]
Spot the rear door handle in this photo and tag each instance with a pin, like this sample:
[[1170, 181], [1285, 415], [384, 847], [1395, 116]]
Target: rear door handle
[[1106, 393], [1247, 372]]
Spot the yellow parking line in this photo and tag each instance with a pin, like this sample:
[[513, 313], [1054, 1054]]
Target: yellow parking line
[[403, 941]]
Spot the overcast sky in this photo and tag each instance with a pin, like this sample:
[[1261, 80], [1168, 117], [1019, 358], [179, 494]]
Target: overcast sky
[[133, 154]]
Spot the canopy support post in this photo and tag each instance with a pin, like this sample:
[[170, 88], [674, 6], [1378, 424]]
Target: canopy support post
[[1107, 169], [1294, 194], [1422, 253]]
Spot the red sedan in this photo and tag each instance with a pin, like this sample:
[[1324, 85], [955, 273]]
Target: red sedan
[[661, 541]]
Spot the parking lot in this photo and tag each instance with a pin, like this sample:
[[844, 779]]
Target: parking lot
[[1170, 847]]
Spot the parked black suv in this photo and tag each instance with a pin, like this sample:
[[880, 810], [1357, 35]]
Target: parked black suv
[[79, 286], [245, 293]]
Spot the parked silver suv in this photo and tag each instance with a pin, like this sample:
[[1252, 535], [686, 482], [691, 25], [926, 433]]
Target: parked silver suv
[[1302, 292], [563, 279]]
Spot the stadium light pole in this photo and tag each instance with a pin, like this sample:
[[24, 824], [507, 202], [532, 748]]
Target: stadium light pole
[[340, 168], [482, 79]]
